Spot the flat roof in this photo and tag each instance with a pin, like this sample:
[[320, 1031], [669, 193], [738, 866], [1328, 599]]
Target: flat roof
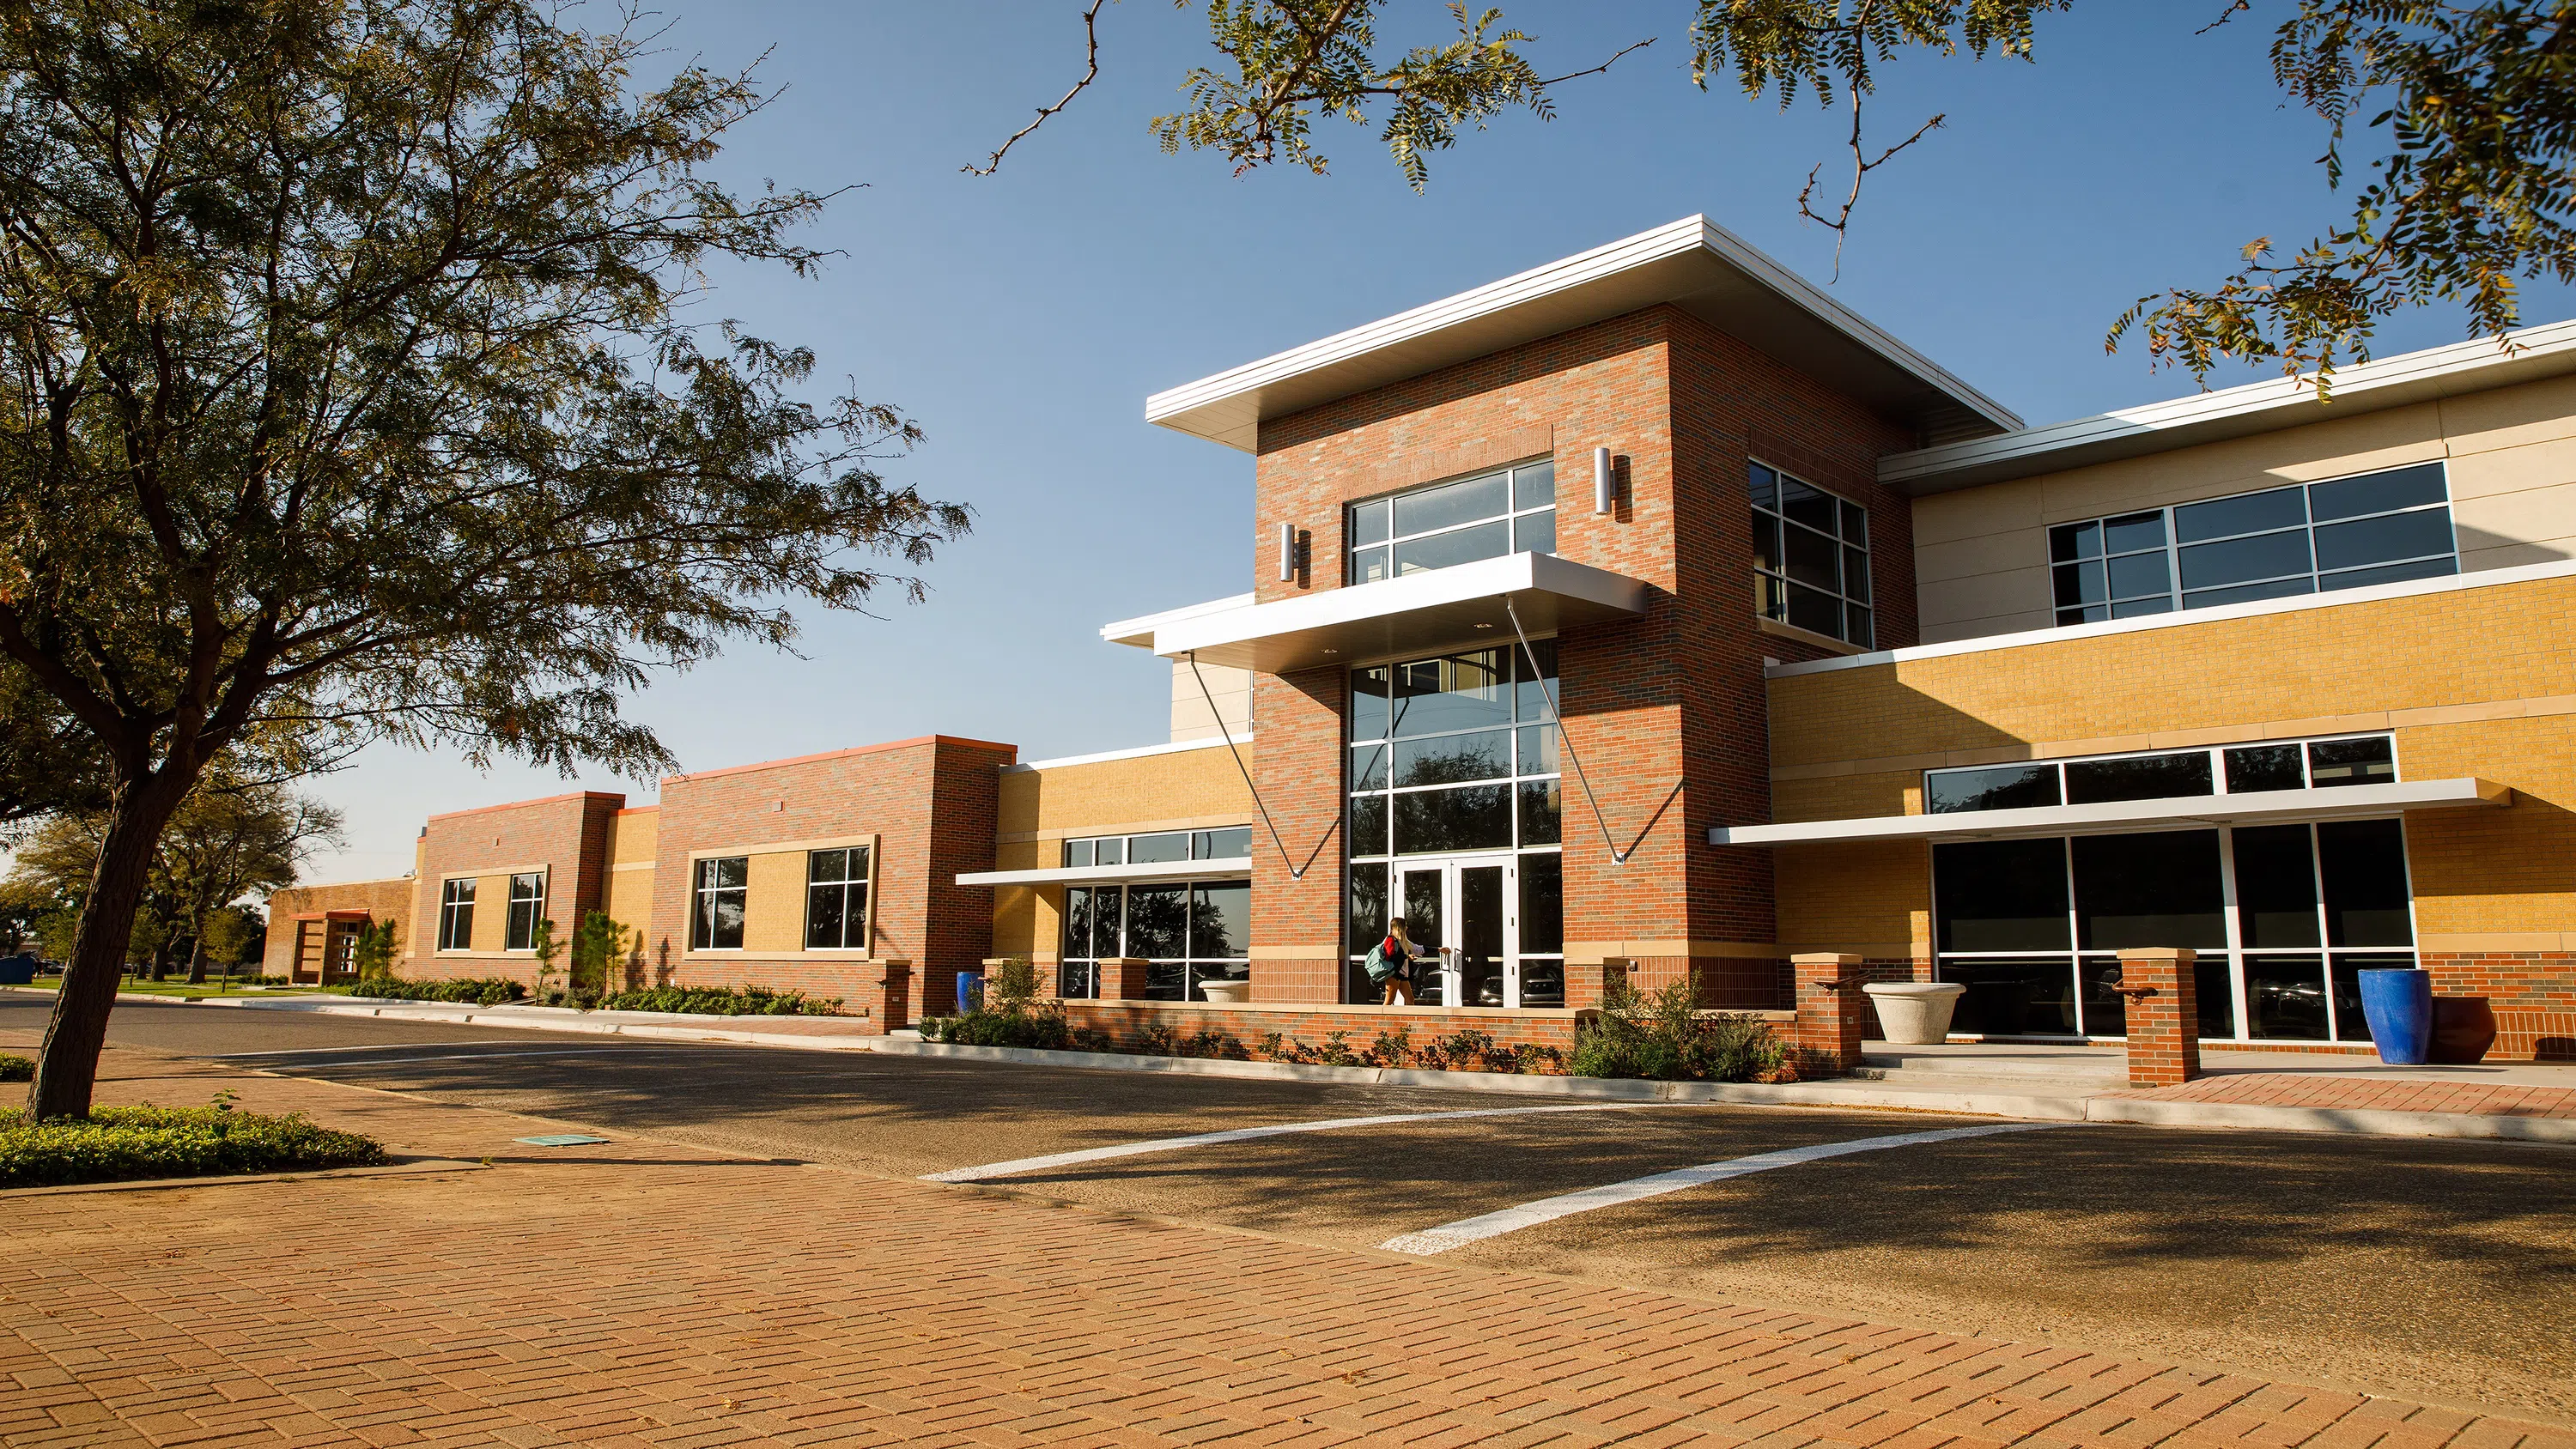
[[1692, 263], [2236, 412]]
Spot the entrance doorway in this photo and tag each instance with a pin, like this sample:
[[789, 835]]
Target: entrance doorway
[[1473, 904]]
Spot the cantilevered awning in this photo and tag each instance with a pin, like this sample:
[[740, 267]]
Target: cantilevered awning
[[2270, 807], [1144, 874], [1432, 612]]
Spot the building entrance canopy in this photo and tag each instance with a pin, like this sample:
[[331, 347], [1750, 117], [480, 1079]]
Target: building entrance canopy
[[1433, 612], [2270, 807]]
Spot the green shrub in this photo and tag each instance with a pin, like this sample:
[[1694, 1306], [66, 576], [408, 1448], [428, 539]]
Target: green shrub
[[1044, 1030], [475, 991], [124, 1144], [1664, 1037], [722, 1001], [16, 1069]]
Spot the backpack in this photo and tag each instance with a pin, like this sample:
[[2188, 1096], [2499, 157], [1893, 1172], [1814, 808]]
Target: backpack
[[1378, 967]]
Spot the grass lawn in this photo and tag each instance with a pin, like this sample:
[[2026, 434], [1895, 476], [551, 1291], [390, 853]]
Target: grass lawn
[[184, 991]]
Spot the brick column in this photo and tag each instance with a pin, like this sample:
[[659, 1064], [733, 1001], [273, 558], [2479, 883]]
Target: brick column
[[886, 993], [2164, 1016], [1122, 978], [1831, 1009], [1587, 983]]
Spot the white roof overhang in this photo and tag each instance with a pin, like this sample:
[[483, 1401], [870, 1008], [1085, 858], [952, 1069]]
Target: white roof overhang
[[1692, 263], [1432, 612], [2235, 412], [2271, 807], [1234, 867]]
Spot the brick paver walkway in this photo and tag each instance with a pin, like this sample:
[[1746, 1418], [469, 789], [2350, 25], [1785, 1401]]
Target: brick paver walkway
[[2352, 1092], [644, 1293]]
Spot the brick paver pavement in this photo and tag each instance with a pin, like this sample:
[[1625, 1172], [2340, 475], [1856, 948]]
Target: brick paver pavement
[[2349, 1092], [645, 1293]]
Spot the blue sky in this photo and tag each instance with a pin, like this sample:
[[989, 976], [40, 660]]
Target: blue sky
[[1023, 318]]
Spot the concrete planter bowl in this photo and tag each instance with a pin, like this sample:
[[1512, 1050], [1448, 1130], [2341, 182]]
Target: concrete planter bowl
[[1915, 1013], [1235, 992]]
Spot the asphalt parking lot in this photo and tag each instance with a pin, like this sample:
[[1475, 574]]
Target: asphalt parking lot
[[2439, 1270]]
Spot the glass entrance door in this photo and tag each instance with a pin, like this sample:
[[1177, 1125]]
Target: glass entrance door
[[1468, 904]]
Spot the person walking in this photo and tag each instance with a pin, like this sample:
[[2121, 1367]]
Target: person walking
[[1390, 964]]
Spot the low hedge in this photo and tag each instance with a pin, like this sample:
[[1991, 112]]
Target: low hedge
[[16, 1069], [721, 1001], [125, 1144], [1044, 1030], [474, 991]]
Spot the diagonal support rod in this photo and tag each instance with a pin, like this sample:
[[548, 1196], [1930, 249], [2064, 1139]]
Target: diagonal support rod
[[1564, 741], [1295, 872]]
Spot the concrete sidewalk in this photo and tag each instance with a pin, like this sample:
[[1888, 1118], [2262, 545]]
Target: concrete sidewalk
[[642, 1292]]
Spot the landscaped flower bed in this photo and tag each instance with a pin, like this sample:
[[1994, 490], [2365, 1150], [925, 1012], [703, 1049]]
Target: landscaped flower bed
[[128, 1144], [720, 1001], [474, 991]]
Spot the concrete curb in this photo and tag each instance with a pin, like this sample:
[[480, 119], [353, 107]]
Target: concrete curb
[[2028, 1107], [666, 1025]]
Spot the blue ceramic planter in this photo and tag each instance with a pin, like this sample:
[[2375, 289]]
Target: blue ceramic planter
[[970, 994], [2399, 1006]]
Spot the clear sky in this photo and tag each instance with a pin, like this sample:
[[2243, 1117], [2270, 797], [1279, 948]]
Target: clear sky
[[1023, 318]]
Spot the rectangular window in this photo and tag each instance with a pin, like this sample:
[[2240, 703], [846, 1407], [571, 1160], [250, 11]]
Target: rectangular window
[[1810, 558], [2284, 918], [1512, 510], [1233, 842], [1189, 934], [2166, 775], [527, 907], [456, 916], [836, 899], [719, 889], [2377, 528], [1452, 754]]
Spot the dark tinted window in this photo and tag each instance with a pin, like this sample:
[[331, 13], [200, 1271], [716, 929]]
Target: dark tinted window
[[1451, 504], [2148, 890], [2256, 768], [1158, 921], [2380, 540], [2006, 787], [2001, 895], [1466, 691], [1534, 486], [1542, 904], [1475, 817], [1156, 849], [2145, 777], [1234, 844], [1368, 907], [1454, 759], [2242, 560], [2377, 492], [2027, 997], [2276, 887], [2364, 866], [2351, 762], [1221, 918], [2249, 513]]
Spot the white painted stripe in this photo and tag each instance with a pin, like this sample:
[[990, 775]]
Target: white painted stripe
[[398, 1046], [1247, 1134], [1528, 1215]]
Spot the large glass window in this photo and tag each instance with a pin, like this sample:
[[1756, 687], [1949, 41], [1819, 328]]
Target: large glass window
[[836, 899], [527, 907], [1512, 510], [1810, 557], [1229, 843], [718, 890], [456, 916], [1454, 754], [1189, 933], [2166, 775], [2283, 916], [2377, 528]]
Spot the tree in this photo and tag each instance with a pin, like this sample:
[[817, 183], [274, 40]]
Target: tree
[[597, 944], [545, 948], [2472, 174], [379, 943], [346, 338], [229, 838]]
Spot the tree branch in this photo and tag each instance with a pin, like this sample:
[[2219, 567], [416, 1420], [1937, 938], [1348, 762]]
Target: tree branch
[[1090, 73]]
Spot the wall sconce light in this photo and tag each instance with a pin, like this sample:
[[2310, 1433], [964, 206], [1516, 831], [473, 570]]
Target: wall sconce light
[[1287, 552], [1602, 483]]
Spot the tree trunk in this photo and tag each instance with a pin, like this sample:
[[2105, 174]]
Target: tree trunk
[[197, 956], [67, 1065]]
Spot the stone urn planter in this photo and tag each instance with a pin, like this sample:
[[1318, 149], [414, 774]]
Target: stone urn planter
[[1915, 1013], [2464, 1028], [1236, 992]]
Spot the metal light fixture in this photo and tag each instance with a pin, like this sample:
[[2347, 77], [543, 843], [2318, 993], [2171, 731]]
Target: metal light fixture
[[1287, 552], [1601, 482]]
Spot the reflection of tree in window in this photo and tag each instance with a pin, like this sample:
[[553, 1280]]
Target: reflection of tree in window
[[1158, 922]]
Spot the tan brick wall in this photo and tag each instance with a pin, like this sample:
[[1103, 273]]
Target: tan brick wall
[[629, 892], [382, 900], [1982, 553], [1041, 808]]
